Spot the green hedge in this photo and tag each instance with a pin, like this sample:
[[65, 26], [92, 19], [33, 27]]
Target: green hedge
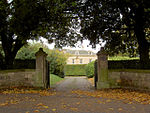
[[75, 69], [127, 64], [89, 68], [24, 64]]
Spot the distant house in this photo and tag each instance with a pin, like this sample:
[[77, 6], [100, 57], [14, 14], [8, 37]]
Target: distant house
[[80, 56]]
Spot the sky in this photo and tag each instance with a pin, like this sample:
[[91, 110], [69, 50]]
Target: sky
[[84, 45]]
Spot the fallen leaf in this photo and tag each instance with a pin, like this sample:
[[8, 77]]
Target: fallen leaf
[[40, 104], [108, 100], [36, 110], [120, 109], [64, 106], [3, 104], [111, 108], [45, 107], [53, 109], [78, 103], [127, 96], [74, 109], [130, 102]]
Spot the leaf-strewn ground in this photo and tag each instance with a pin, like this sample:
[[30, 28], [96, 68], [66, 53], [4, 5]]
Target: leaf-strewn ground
[[68, 97]]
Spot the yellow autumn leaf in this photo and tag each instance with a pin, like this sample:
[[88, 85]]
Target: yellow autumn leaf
[[53, 109], [130, 102], [40, 104], [120, 109], [78, 103], [36, 110], [108, 100], [64, 106], [45, 107], [3, 104], [111, 108], [127, 96], [74, 109]]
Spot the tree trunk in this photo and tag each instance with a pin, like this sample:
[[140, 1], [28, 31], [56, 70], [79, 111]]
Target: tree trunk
[[141, 38], [1, 61], [10, 55], [9, 60], [10, 48]]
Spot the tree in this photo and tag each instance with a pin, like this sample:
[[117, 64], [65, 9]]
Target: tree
[[28, 51], [57, 61], [122, 24], [56, 58], [21, 20]]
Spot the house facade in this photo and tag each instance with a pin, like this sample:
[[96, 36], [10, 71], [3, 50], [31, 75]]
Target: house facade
[[80, 56]]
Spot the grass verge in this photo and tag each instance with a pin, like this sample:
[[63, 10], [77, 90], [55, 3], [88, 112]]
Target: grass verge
[[122, 58], [54, 79]]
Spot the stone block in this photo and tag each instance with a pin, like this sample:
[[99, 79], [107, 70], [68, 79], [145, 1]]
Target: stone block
[[103, 85]]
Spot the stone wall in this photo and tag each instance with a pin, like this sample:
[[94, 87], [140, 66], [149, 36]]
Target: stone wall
[[137, 79], [11, 78]]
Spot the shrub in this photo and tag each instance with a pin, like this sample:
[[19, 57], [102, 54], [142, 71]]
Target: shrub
[[75, 69], [127, 64], [24, 64], [89, 69], [57, 61], [56, 58]]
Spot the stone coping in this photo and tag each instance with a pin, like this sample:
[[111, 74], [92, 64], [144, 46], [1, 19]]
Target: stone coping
[[16, 70]]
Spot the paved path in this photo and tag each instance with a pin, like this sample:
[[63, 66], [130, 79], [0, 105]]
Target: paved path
[[64, 101], [74, 83]]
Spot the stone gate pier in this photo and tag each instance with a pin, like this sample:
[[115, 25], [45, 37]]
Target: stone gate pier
[[40, 78], [102, 70]]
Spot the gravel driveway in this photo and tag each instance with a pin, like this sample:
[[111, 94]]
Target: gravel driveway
[[65, 101], [74, 83]]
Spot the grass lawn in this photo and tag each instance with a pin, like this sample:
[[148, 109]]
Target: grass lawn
[[122, 58], [54, 79]]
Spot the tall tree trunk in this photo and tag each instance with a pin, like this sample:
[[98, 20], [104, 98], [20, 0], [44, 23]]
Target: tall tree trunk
[[141, 38], [10, 55], [9, 60], [10, 48], [1, 61]]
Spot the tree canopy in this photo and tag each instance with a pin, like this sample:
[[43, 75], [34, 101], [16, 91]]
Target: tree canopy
[[21, 20], [56, 58], [123, 24]]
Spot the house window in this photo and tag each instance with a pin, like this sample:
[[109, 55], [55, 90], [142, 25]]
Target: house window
[[76, 52], [90, 53], [90, 60], [80, 61], [72, 61]]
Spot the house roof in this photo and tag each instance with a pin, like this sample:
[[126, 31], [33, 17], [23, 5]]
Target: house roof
[[79, 52]]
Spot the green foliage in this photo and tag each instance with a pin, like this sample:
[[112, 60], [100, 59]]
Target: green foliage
[[129, 70], [75, 69], [57, 61], [89, 68], [122, 24], [127, 64], [124, 62], [54, 79], [56, 58], [21, 20], [28, 51], [122, 58]]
